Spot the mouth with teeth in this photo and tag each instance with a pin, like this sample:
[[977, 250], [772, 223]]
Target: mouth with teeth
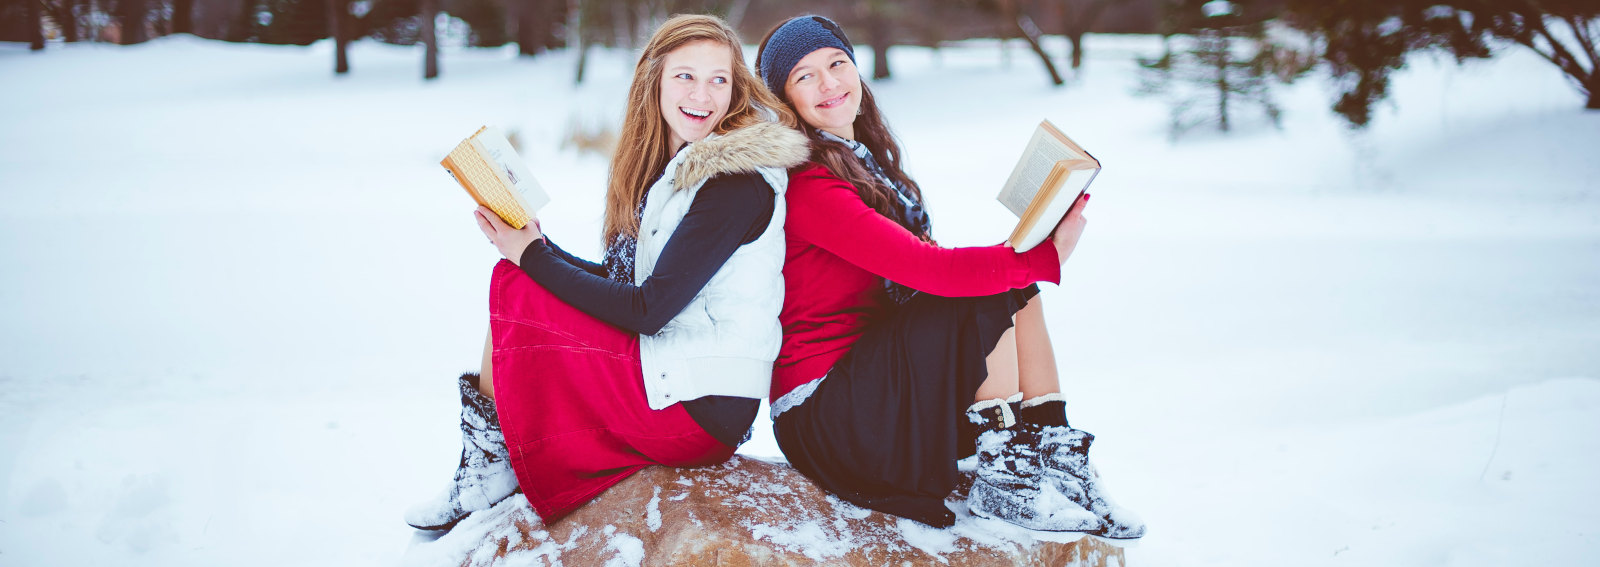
[[695, 114], [835, 101]]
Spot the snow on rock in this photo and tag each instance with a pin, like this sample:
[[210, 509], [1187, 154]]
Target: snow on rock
[[745, 511], [653, 511]]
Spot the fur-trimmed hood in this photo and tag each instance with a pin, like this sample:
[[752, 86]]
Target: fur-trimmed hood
[[763, 144]]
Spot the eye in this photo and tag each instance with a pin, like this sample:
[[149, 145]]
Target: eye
[[720, 80], [684, 76], [837, 63], [802, 78]]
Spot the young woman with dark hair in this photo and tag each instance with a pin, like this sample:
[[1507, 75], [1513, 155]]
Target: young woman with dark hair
[[899, 356], [660, 354]]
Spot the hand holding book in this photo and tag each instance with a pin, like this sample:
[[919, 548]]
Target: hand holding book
[[1053, 174], [1070, 229], [488, 167], [511, 241]]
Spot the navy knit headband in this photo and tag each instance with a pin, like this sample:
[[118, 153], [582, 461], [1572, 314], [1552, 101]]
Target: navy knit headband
[[794, 40]]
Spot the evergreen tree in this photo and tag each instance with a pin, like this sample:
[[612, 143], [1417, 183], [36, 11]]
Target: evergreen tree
[[1363, 41], [1224, 62], [1566, 33]]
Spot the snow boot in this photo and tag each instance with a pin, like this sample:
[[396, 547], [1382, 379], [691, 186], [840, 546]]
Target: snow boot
[[483, 478], [1064, 454], [1010, 484]]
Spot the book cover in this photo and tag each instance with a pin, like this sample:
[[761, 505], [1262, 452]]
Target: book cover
[[488, 167]]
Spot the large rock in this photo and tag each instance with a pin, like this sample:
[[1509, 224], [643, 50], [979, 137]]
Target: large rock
[[743, 512]]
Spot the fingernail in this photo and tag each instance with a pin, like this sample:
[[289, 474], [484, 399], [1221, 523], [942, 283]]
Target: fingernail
[[1086, 197]]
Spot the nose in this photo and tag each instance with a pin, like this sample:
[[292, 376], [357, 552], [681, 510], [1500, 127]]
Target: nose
[[829, 82], [700, 92]]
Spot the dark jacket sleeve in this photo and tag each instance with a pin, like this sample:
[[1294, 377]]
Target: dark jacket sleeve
[[580, 263], [728, 211]]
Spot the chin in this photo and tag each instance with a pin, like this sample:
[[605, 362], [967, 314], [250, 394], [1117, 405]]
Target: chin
[[697, 135]]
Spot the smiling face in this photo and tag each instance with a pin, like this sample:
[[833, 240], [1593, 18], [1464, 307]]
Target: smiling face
[[825, 89], [696, 85]]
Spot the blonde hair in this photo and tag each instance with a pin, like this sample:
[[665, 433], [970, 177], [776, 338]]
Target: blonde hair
[[644, 144]]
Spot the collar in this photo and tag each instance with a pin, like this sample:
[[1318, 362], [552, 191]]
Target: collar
[[858, 148]]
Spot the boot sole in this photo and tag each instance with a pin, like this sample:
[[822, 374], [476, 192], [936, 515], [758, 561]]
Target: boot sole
[[439, 528], [452, 523]]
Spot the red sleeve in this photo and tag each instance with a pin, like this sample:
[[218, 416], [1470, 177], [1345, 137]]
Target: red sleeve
[[826, 211]]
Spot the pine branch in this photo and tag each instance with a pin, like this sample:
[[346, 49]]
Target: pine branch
[[1580, 28], [1559, 54]]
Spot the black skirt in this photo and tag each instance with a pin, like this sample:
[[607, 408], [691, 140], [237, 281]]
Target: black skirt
[[884, 430]]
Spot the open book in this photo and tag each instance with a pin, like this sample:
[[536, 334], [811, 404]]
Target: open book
[[1051, 175], [490, 170]]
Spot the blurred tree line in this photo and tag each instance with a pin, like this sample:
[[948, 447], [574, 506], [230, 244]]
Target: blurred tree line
[[538, 25], [1364, 41], [1360, 42], [1219, 55]]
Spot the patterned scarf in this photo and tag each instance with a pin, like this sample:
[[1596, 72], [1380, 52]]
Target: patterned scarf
[[909, 209], [618, 260]]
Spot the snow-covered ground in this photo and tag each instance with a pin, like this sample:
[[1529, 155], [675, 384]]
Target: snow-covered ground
[[235, 291]]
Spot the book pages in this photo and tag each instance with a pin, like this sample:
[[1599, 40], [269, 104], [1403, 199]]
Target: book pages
[[1077, 180], [1028, 177]]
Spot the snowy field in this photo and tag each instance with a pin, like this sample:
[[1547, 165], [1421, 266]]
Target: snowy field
[[235, 292]]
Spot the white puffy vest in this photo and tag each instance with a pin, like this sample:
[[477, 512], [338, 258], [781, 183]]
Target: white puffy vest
[[725, 340]]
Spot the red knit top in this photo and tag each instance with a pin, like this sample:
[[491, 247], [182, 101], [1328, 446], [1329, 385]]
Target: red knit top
[[840, 251]]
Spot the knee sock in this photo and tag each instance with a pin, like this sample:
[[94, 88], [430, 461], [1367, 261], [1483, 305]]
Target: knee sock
[[1046, 410]]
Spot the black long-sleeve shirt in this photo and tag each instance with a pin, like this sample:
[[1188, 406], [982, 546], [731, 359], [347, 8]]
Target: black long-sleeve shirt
[[729, 211]]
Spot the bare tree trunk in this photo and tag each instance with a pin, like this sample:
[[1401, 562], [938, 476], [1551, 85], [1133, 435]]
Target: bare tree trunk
[[132, 19], [182, 12], [528, 12], [1077, 17], [583, 61], [1594, 92], [1076, 39], [243, 22], [576, 38], [36, 25], [430, 40], [209, 19], [338, 12], [62, 14], [878, 30], [1222, 81], [1030, 32]]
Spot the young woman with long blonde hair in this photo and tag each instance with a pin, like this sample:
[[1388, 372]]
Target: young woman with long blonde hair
[[660, 353]]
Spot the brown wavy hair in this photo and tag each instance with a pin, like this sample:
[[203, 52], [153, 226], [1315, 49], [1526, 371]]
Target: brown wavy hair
[[645, 147], [871, 130]]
